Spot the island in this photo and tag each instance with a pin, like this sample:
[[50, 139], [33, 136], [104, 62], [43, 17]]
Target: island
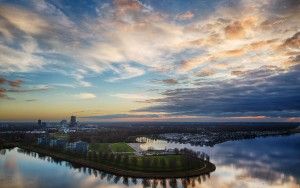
[[122, 159]]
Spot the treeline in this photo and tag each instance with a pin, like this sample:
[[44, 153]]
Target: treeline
[[22, 137], [130, 133]]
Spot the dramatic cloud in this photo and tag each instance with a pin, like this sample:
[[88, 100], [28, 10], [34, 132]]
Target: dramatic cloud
[[276, 95], [221, 58], [293, 42]]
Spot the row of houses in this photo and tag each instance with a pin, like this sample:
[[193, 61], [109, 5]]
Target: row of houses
[[79, 146]]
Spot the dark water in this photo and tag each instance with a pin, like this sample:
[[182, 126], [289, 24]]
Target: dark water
[[262, 162]]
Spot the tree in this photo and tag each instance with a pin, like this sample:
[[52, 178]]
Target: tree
[[134, 160], [126, 159], [162, 162], [155, 162], [94, 156], [145, 161], [173, 163], [89, 156], [111, 157], [118, 158], [105, 156], [99, 156]]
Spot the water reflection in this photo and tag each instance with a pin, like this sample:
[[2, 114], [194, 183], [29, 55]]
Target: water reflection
[[261, 162], [70, 173], [265, 162]]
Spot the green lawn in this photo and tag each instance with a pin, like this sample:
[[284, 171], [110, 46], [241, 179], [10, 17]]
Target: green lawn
[[121, 147], [100, 147], [110, 147]]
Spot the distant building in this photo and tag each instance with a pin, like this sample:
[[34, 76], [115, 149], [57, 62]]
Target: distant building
[[73, 122], [80, 147], [42, 141], [52, 142], [62, 143], [58, 143], [44, 124], [39, 123], [63, 122]]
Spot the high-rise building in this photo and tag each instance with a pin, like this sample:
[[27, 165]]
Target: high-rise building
[[73, 122], [39, 123]]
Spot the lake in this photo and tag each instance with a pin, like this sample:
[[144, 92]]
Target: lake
[[260, 162]]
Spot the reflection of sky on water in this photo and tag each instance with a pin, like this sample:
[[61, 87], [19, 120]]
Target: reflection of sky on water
[[260, 162], [263, 162]]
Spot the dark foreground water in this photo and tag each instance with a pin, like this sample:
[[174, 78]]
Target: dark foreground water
[[262, 162]]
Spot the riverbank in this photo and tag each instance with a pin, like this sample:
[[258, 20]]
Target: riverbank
[[206, 168]]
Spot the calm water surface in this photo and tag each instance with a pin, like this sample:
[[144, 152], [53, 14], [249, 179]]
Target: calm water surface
[[261, 162]]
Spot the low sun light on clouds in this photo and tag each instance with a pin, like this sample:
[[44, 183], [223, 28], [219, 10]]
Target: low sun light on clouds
[[226, 59]]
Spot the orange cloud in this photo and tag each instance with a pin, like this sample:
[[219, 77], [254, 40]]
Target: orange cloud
[[249, 117], [293, 42], [205, 73], [190, 64], [2, 80], [237, 73], [15, 83], [235, 31], [294, 119], [2, 93], [238, 29], [233, 53], [261, 44], [185, 16], [127, 6]]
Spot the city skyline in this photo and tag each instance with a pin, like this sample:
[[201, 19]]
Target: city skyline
[[126, 60]]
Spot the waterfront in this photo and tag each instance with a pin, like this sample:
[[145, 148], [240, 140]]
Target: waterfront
[[260, 162]]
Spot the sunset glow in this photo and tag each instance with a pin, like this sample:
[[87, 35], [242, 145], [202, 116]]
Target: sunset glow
[[123, 60]]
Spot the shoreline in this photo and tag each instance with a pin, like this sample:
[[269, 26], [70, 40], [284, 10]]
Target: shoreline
[[208, 167]]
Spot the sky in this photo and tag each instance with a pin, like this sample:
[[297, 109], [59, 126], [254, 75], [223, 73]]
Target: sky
[[148, 60]]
